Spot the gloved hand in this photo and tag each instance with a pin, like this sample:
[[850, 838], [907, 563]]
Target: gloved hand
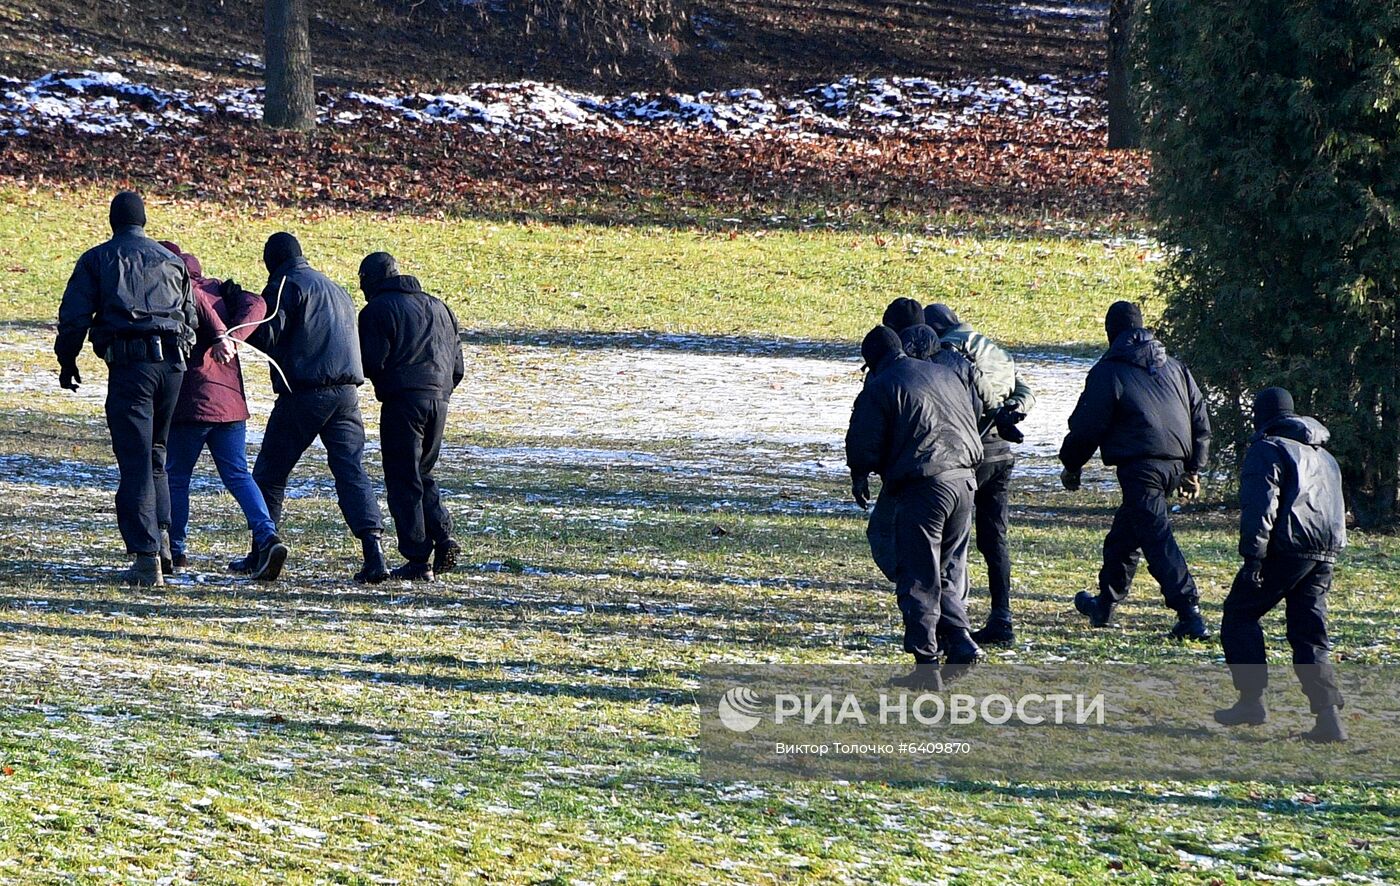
[[228, 289], [1069, 479], [1253, 571], [860, 490], [1190, 488], [69, 378], [224, 350], [1006, 420]]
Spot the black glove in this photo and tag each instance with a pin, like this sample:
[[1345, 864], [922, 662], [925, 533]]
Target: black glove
[[1253, 571], [69, 378], [228, 289], [1006, 420], [860, 490], [1069, 479]]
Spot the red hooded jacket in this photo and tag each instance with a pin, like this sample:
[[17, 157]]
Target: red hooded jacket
[[212, 391]]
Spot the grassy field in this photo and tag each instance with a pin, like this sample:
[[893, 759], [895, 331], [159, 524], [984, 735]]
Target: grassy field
[[531, 719], [819, 285]]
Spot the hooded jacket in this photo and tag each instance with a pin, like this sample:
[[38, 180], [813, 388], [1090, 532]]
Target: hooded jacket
[[1291, 493], [410, 341], [1138, 403], [921, 343], [213, 391], [912, 420], [998, 384], [312, 333], [127, 287]]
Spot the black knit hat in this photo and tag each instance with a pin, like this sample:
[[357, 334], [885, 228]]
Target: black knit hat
[[1121, 316], [376, 268], [281, 248], [878, 345], [903, 313], [127, 210], [1269, 404], [941, 317]]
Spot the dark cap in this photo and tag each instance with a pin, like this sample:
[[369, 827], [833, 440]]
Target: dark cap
[[1121, 316], [903, 313], [376, 268], [1269, 404], [127, 209], [281, 248]]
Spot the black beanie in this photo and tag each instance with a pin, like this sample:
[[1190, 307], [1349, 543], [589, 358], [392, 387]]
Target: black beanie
[[376, 268], [941, 317], [1121, 316], [127, 210], [1269, 404], [281, 248], [878, 345], [903, 313]]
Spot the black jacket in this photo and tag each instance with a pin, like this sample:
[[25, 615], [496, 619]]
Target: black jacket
[[913, 420], [410, 341], [128, 287], [1291, 493], [1138, 403], [921, 343], [312, 336]]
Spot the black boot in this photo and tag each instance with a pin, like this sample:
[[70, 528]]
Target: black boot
[[1190, 625], [445, 555], [144, 572], [412, 571], [959, 648], [925, 677], [1248, 711], [1329, 728], [167, 560], [996, 633], [245, 564], [271, 557], [375, 570], [1097, 608]]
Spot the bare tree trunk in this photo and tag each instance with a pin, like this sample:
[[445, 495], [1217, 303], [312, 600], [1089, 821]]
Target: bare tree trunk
[[291, 89], [1124, 130]]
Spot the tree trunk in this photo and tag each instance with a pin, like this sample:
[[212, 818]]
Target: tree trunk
[[291, 90], [1124, 130]]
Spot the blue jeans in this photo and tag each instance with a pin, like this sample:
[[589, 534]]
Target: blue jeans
[[228, 445]]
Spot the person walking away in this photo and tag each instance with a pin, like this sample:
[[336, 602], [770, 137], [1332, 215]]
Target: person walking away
[[212, 412], [1006, 400], [1292, 527], [1142, 411], [311, 336], [132, 298], [412, 351], [914, 425]]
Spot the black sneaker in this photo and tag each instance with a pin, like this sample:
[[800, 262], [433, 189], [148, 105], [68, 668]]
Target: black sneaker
[[271, 557], [996, 633], [1094, 608], [1245, 712], [412, 572], [445, 557], [245, 564], [1189, 625]]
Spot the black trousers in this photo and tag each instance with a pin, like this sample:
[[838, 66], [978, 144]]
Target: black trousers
[[140, 402], [1302, 586], [1142, 527], [297, 419], [992, 517], [932, 528], [410, 429]]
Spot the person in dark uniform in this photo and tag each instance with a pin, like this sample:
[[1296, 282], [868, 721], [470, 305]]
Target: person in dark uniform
[[132, 298], [1142, 411], [913, 423], [1292, 527], [311, 335], [412, 351]]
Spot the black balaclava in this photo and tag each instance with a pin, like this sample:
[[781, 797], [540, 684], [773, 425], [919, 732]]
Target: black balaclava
[[1270, 404], [1121, 316], [127, 210], [281, 248], [903, 313], [878, 345], [375, 269], [941, 317]]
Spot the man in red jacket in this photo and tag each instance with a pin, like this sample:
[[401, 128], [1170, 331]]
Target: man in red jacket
[[213, 411]]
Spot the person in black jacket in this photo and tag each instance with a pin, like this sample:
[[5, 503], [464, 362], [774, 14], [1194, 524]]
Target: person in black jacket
[[1292, 527], [914, 425], [1142, 411], [132, 298], [412, 351], [310, 333]]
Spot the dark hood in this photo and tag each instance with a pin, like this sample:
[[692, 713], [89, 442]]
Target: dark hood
[[941, 317], [920, 342], [1138, 347], [880, 346], [191, 263], [280, 249], [402, 283], [1301, 428], [1121, 317], [127, 211]]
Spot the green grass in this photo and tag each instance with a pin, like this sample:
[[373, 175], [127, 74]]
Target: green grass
[[1028, 290]]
